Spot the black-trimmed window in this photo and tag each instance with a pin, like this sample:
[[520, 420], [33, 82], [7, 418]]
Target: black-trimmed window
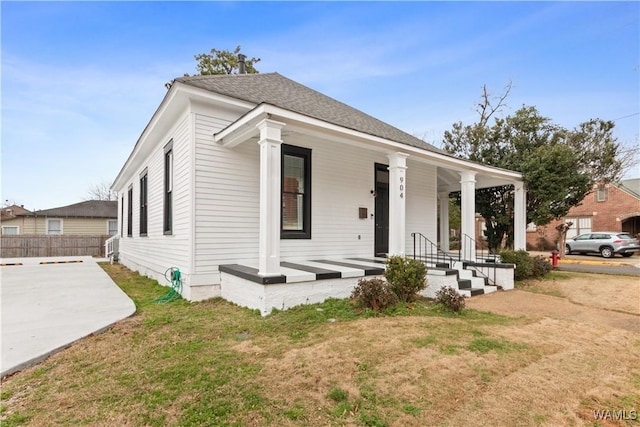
[[168, 188], [295, 219], [122, 216], [143, 203], [130, 212]]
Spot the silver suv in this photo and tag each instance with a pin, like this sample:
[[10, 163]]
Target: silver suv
[[607, 243]]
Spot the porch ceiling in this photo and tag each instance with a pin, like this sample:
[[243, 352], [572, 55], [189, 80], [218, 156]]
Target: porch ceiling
[[299, 126], [449, 180]]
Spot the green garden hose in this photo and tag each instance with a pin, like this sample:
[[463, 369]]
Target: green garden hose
[[172, 274]]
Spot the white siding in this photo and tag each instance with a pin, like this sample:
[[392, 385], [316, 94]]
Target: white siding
[[153, 254], [421, 204], [342, 180], [227, 201]]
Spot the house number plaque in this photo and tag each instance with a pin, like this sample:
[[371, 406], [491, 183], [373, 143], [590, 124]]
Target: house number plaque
[[401, 187]]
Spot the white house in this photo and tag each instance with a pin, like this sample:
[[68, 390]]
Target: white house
[[253, 181]]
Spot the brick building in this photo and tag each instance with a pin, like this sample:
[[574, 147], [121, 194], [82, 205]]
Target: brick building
[[609, 207]]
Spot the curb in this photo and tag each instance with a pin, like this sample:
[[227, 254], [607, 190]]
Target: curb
[[600, 263]]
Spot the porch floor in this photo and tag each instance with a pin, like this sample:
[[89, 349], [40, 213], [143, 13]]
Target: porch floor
[[308, 282], [307, 271]]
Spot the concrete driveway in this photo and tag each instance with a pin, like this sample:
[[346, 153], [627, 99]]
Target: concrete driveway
[[49, 303]]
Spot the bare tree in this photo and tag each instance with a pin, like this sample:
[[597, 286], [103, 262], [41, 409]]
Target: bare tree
[[629, 156], [9, 202], [489, 105], [101, 191]]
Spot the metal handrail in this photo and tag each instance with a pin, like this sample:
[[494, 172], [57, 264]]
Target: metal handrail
[[424, 249], [467, 242]]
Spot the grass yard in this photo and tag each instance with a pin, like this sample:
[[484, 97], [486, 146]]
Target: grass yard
[[213, 363]]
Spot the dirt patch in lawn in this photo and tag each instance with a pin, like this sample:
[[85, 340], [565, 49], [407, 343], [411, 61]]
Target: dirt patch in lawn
[[520, 358], [562, 359], [592, 299], [424, 371], [614, 293]]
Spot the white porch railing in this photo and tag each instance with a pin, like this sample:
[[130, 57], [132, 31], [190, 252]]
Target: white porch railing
[[111, 248]]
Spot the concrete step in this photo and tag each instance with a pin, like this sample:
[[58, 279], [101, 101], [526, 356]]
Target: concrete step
[[489, 289], [471, 292], [464, 284]]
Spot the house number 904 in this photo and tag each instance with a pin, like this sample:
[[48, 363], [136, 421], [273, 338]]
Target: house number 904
[[401, 187]]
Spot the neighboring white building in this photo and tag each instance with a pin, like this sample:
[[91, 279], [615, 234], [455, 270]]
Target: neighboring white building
[[260, 172]]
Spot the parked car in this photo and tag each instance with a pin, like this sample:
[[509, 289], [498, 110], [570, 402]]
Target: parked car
[[607, 243]]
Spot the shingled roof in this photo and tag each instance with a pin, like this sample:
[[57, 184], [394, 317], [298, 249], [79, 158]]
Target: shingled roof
[[279, 91], [632, 186], [88, 209], [13, 211]]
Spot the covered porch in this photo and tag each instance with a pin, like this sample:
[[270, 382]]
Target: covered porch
[[411, 172], [313, 281]]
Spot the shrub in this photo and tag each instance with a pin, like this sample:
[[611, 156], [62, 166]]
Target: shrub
[[450, 298], [406, 276], [373, 293], [522, 260], [541, 266]]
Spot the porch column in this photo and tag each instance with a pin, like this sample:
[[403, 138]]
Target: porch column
[[444, 220], [520, 217], [468, 215], [397, 197], [270, 169]]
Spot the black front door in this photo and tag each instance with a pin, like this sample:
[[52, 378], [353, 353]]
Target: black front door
[[382, 210]]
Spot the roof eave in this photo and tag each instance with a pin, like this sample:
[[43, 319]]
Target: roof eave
[[245, 128]]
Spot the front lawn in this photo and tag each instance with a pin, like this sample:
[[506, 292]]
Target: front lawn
[[213, 363]]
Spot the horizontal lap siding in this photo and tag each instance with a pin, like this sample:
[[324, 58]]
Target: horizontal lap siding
[[70, 225], [227, 186], [421, 204], [227, 197], [342, 180], [84, 226], [156, 251]]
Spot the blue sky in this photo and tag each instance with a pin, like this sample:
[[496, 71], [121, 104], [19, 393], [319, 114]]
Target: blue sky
[[80, 80]]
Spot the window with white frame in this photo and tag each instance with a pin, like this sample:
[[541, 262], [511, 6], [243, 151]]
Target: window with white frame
[[483, 230], [112, 227], [601, 194], [54, 226], [10, 230], [580, 225]]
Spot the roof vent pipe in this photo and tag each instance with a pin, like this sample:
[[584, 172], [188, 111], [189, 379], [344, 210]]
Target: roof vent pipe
[[242, 69]]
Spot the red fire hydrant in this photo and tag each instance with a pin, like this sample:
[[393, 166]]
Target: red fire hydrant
[[555, 256]]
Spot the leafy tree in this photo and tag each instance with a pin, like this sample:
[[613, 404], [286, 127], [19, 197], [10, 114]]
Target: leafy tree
[[559, 166], [554, 187], [223, 62], [454, 215]]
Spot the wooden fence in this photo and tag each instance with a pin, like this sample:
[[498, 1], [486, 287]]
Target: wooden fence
[[43, 246]]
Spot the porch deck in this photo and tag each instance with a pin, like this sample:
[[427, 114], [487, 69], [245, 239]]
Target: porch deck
[[306, 271], [308, 282]]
